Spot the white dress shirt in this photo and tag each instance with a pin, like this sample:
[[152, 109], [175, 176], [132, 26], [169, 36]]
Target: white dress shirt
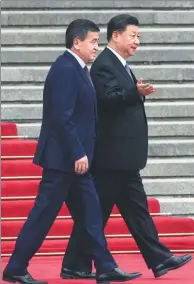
[[123, 61], [80, 61]]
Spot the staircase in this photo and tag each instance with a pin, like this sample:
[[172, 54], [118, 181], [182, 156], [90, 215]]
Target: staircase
[[20, 180], [32, 37]]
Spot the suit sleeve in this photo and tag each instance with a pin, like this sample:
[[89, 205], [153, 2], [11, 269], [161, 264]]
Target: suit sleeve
[[63, 99], [109, 92]]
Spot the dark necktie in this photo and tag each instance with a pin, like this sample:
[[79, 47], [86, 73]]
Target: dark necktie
[[128, 71], [130, 74], [88, 74]]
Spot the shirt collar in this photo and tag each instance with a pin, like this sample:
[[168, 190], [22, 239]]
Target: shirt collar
[[80, 61], [123, 61]]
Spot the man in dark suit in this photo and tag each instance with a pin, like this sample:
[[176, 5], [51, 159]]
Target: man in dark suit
[[65, 151], [122, 148]]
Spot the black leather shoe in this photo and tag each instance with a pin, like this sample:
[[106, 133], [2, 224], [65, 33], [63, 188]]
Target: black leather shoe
[[24, 279], [171, 263], [71, 274], [116, 275]]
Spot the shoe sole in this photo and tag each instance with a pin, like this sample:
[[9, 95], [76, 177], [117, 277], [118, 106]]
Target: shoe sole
[[161, 273], [67, 276], [9, 280], [165, 271], [108, 281], [104, 282]]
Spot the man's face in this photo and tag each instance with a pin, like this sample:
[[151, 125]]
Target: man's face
[[88, 48], [127, 41]]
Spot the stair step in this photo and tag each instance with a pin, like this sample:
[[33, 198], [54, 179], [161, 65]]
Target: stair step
[[23, 207], [166, 91], [100, 17], [177, 205], [18, 147], [169, 167], [8, 129], [24, 55], [171, 147], [155, 167], [17, 188], [156, 129], [172, 186], [20, 168], [115, 244], [160, 148], [157, 73], [50, 4], [46, 36], [153, 186], [115, 226], [153, 109]]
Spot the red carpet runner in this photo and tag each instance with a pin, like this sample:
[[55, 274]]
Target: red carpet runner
[[48, 269], [20, 179]]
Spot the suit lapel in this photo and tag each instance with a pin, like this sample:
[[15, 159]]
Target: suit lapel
[[120, 66], [85, 78], [79, 68]]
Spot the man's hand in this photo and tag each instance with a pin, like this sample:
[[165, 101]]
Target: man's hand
[[81, 165], [144, 89]]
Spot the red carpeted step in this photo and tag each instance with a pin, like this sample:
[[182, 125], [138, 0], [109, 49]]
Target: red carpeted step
[[14, 188], [114, 244], [8, 129], [15, 168], [17, 188], [18, 147], [23, 207], [115, 226], [164, 225]]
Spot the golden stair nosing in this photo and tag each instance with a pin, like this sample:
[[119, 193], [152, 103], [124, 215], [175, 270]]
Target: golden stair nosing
[[113, 252], [123, 236], [69, 217]]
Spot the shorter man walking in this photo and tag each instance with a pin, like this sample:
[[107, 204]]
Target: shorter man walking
[[65, 150]]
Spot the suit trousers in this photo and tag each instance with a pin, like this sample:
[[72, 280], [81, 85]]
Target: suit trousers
[[80, 194], [125, 189]]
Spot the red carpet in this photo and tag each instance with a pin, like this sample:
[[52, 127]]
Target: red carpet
[[48, 268], [22, 207], [18, 146], [19, 167], [8, 129], [116, 226], [20, 180], [115, 244]]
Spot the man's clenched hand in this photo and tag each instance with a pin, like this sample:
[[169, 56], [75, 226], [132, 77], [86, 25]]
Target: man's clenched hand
[[81, 165]]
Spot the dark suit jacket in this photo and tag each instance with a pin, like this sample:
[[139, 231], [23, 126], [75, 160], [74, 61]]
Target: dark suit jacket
[[122, 137], [69, 116]]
